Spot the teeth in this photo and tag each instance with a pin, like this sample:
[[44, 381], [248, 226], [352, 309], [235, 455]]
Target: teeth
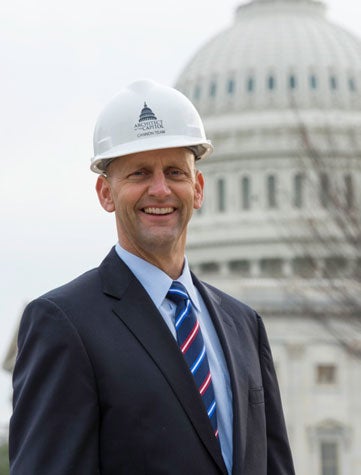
[[158, 210]]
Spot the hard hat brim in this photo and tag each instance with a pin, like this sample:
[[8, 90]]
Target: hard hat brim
[[101, 161]]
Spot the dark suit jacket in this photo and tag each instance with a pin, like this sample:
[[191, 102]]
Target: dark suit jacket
[[100, 386]]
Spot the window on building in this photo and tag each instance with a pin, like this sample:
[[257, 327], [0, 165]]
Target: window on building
[[349, 191], [213, 89], [209, 267], [335, 266], [298, 190], [241, 266], [329, 458], [221, 195], [230, 86], [326, 374], [292, 81], [251, 84], [246, 193], [324, 190], [271, 267], [304, 267], [333, 83], [271, 82], [271, 192]]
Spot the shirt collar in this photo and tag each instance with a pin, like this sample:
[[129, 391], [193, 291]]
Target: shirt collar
[[154, 280], [186, 279]]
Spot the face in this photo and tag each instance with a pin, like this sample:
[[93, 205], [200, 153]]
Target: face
[[153, 195]]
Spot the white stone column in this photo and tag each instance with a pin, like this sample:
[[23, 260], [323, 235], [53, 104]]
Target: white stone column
[[255, 268], [287, 270]]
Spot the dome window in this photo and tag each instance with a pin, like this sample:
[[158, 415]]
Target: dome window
[[292, 81], [221, 195], [324, 190], [197, 92], [230, 86], [298, 188], [213, 89], [251, 84], [245, 193], [352, 85], [349, 191], [271, 83], [271, 192], [333, 83], [313, 82]]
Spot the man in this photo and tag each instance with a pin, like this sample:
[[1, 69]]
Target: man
[[137, 367]]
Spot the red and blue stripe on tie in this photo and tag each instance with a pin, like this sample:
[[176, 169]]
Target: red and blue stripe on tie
[[191, 344]]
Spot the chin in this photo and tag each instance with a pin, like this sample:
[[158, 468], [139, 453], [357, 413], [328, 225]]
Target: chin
[[161, 241]]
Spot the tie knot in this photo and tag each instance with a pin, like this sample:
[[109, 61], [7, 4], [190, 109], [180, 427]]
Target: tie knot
[[177, 293]]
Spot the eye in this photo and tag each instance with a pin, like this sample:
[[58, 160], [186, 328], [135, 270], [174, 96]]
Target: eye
[[175, 172], [137, 174]]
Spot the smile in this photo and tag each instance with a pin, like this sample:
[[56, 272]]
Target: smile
[[158, 211]]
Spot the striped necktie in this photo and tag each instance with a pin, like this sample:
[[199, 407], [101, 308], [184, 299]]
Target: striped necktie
[[191, 344]]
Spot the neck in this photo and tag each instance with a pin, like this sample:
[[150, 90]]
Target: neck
[[171, 263]]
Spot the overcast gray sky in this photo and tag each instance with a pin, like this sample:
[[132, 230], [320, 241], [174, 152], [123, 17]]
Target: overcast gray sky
[[60, 63]]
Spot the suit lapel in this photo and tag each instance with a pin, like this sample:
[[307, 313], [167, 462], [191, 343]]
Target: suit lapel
[[232, 345], [137, 311]]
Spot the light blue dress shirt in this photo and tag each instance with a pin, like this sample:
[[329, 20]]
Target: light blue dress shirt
[[157, 283]]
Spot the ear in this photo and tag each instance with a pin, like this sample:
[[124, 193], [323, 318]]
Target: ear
[[198, 190], [104, 192]]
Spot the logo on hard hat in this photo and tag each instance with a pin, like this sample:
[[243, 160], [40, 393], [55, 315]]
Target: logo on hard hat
[[148, 124]]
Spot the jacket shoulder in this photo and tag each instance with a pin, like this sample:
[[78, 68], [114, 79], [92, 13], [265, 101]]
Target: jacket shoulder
[[84, 283], [89, 285]]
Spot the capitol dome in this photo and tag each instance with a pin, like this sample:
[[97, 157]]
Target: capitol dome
[[280, 95], [277, 54]]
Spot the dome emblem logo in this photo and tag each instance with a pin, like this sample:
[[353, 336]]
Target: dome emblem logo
[[148, 123]]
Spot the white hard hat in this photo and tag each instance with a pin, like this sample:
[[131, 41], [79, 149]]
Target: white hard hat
[[147, 116]]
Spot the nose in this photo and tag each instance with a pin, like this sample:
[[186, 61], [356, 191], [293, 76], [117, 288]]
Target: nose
[[158, 185]]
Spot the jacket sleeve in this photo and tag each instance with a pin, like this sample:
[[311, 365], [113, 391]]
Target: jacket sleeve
[[279, 457], [54, 426]]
